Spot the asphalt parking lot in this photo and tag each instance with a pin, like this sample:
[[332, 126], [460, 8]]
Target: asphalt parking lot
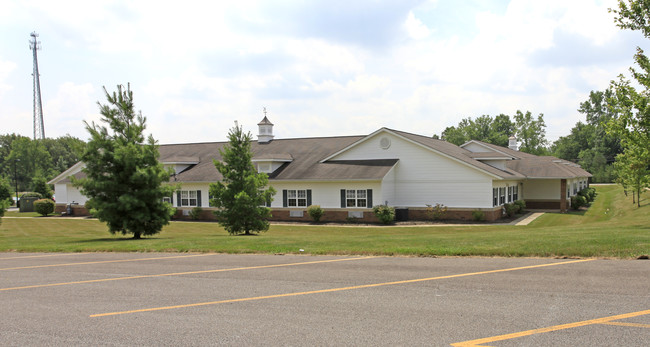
[[120, 299]]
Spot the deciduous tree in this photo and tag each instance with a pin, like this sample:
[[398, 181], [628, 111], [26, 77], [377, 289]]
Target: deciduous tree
[[484, 128], [531, 132], [633, 107]]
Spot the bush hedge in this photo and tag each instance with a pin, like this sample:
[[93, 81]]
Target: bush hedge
[[315, 212], [195, 213], [478, 215], [578, 201], [436, 212], [44, 206], [511, 209], [588, 193], [385, 214]]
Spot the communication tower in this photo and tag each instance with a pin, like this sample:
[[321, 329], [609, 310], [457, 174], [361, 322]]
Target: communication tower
[[39, 128]]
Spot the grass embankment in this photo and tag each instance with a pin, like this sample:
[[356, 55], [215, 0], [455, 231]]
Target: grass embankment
[[612, 227]]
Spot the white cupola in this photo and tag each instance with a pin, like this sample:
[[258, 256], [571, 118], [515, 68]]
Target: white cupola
[[512, 143], [265, 133]]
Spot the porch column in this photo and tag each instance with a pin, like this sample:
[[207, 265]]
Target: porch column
[[563, 204]]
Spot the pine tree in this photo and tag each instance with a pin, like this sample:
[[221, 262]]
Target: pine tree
[[39, 185], [124, 180], [242, 194]]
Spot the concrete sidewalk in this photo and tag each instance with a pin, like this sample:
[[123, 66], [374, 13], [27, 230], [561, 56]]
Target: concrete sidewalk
[[527, 218]]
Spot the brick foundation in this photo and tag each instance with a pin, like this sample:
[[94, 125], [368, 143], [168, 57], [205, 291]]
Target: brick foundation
[[491, 215], [338, 215], [77, 210]]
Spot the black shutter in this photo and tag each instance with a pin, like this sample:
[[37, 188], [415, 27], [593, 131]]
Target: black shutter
[[308, 197], [369, 196], [178, 198], [343, 198], [198, 198], [284, 198]]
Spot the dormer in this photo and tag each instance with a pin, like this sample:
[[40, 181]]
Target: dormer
[[268, 163], [488, 154], [179, 164], [265, 133]]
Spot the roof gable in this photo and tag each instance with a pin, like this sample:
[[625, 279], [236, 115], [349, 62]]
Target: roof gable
[[64, 176]]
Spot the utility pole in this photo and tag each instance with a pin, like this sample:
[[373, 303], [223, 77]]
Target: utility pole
[[39, 128], [16, 179]]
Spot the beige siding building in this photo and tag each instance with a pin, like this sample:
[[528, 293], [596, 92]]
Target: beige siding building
[[348, 175]]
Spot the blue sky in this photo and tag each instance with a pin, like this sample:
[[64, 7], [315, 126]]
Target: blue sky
[[321, 68]]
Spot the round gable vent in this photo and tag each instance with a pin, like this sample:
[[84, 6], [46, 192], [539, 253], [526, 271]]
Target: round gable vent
[[384, 143]]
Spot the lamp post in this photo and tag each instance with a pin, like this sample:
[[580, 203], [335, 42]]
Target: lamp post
[[16, 180]]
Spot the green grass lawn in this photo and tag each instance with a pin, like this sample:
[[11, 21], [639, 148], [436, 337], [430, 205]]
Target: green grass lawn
[[611, 227]]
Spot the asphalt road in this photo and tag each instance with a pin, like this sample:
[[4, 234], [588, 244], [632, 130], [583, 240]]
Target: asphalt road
[[120, 299]]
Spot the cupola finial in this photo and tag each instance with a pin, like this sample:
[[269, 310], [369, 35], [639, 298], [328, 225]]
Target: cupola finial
[[265, 133]]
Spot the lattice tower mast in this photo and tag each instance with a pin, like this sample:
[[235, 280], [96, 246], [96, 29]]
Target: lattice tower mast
[[39, 128]]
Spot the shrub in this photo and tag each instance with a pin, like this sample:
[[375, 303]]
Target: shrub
[[32, 195], [44, 206], [578, 201], [521, 204], [588, 193], [352, 220], [478, 215], [315, 212], [5, 190], [195, 213], [385, 214], [511, 209], [4, 204], [436, 212]]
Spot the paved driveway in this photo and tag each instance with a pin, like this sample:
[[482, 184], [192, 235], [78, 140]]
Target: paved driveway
[[214, 299]]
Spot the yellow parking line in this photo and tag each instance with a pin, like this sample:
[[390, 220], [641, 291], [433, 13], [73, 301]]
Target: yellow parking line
[[624, 324], [335, 289], [105, 262], [41, 256], [605, 320], [181, 273]]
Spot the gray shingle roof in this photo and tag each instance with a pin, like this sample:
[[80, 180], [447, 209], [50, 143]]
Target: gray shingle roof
[[305, 153], [304, 160], [533, 166]]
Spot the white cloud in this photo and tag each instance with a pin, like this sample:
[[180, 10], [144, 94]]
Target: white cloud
[[415, 28], [320, 68], [6, 68], [69, 108]]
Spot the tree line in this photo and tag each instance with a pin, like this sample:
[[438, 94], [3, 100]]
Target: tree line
[[588, 143], [30, 162], [613, 143]]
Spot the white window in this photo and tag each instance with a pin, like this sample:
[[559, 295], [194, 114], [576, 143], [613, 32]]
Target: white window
[[502, 195], [167, 199], [495, 196], [297, 198], [510, 194], [264, 167], [356, 198], [188, 198], [515, 193]]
